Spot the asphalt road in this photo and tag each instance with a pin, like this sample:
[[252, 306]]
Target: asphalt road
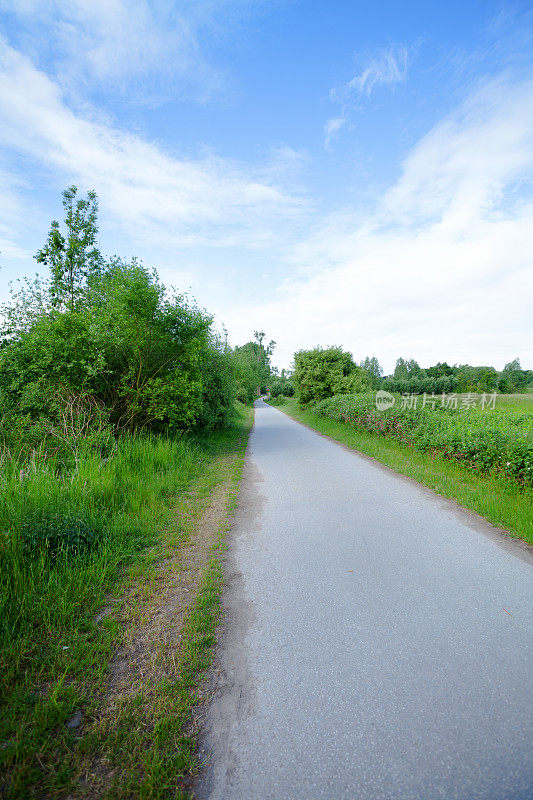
[[377, 638]]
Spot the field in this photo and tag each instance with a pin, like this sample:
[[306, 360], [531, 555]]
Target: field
[[516, 402], [480, 459]]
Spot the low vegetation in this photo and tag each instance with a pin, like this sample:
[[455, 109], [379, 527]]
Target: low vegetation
[[483, 440], [77, 542]]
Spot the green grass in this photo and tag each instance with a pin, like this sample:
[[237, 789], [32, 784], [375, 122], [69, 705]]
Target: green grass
[[150, 741], [54, 652], [516, 402], [500, 500]]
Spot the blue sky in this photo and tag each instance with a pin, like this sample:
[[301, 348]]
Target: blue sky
[[333, 173]]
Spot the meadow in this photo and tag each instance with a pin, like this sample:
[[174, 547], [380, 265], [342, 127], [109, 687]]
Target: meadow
[[517, 401]]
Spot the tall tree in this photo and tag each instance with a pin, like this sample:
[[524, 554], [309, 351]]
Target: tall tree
[[73, 257], [374, 370], [400, 370], [514, 375], [263, 354]]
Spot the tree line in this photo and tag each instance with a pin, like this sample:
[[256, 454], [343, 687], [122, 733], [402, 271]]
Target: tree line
[[320, 373]]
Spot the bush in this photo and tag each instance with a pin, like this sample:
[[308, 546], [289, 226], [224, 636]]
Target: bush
[[134, 351], [218, 389], [282, 388], [500, 441], [319, 374]]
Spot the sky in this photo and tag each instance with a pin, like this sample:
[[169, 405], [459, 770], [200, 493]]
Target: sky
[[333, 173]]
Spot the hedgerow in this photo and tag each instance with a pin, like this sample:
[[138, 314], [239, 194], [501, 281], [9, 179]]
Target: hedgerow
[[486, 441]]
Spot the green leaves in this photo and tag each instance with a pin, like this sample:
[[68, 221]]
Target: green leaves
[[319, 374], [486, 441], [73, 259], [252, 367]]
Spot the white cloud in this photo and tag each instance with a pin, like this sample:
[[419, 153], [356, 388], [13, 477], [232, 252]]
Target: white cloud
[[388, 68], [332, 128], [441, 268], [156, 197], [12, 216]]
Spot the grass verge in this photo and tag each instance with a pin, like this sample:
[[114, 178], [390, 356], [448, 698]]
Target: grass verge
[[499, 500], [119, 659]]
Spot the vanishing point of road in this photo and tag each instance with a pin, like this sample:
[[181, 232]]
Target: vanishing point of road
[[376, 643]]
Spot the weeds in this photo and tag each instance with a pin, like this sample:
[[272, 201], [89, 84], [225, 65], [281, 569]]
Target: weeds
[[72, 540]]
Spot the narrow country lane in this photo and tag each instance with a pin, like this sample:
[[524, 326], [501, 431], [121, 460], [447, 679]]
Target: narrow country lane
[[377, 639]]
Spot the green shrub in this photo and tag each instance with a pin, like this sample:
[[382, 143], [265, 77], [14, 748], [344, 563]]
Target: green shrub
[[320, 373], [282, 388], [500, 441]]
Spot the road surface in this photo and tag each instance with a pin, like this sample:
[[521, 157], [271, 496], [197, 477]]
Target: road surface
[[377, 638]]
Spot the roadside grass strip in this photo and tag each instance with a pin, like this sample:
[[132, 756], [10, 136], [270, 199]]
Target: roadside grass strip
[[103, 647], [503, 500]]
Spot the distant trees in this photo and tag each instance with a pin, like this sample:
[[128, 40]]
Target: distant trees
[[373, 369], [406, 369], [440, 370], [319, 373], [513, 377], [252, 367], [458, 378], [282, 385]]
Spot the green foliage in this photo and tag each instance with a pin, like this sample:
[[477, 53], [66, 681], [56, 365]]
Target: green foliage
[[407, 370], [74, 426], [411, 379], [152, 347], [53, 532], [374, 371], [73, 258], [281, 388], [440, 370], [252, 368], [148, 359], [320, 373], [500, 441], [218, 387], [111, 336], [514, 378], [419, 385]]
